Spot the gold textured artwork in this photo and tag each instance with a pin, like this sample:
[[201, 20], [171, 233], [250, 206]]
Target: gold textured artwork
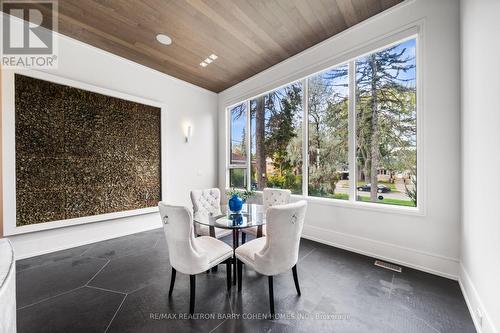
[[80, 153]]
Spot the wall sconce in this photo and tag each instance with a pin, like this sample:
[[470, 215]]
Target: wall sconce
[[188, 133]]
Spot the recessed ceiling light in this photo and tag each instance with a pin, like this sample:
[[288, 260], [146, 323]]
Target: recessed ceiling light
[[164, 39], [211, 58]]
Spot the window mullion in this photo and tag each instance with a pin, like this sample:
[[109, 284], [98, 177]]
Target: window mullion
[[228, 146], [352, 131], [248, 151], [305, 138]]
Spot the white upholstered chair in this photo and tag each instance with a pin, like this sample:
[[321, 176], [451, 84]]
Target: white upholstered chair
[[279, 250], [190, 255], [206, 203], [7, 287], [270, 197]]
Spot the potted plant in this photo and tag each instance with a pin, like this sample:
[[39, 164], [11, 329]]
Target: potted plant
[[237, 198]]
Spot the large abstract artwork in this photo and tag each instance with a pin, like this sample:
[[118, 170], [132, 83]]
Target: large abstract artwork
[[80, 153]]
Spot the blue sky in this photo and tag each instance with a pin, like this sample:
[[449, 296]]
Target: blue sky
[[238, 124], [410, 51]]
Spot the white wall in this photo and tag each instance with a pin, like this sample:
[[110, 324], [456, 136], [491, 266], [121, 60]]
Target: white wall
[[188, 166], [480, 269], [431, 241]]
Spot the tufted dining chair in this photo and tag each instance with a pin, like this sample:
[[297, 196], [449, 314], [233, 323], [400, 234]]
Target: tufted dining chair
[[190, 255], [206, 203], [270, 197], [279, 250]]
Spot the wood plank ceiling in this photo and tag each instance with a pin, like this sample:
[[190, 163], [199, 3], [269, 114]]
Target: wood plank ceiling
[[248, 36]]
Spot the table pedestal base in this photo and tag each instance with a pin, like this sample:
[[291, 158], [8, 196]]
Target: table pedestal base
[[236, 236]]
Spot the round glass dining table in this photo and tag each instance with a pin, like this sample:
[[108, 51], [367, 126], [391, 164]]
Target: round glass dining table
[[250, 216]]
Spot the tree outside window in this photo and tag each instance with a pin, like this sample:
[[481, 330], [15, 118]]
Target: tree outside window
[[276, 140], [328, 115], [238, 146], [384, 106], [386, 123], [238, 129]]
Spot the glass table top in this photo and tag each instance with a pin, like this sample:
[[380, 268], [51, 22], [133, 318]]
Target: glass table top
[[250, 216]]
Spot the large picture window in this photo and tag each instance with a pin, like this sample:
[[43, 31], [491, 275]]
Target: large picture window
[[276, 139], [386, 126], [328, 134], [238, 134], [238, 147], [347, 133]]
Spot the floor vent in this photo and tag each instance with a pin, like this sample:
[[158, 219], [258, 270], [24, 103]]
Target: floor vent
[[389, 266]]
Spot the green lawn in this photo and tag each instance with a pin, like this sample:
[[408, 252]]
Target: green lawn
[[389, 201], [386, 201], [341, 196]]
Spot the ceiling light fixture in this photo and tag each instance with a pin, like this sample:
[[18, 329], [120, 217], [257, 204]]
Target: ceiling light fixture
[[211, 58], [164, 39]]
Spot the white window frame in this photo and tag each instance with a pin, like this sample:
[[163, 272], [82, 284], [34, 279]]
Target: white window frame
[[383, 43], [247, 164]]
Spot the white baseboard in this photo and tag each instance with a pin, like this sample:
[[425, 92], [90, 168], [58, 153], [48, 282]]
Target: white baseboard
[[423, 261], [85, 242], [43, 242], [473, 302]]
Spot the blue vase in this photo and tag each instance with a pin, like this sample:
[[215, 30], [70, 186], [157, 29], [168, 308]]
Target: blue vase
[[235, 204]]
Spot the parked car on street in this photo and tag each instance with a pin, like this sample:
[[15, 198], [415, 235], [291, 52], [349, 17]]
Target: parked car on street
[[368, 187]]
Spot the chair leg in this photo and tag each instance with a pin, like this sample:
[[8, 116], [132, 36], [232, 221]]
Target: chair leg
[[243, 237], [192, 285], [240, 273], [271, 296], [228, 274], [172, 282], [296, 279]]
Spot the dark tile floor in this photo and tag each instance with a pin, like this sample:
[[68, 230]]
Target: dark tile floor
[[121, 285]]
